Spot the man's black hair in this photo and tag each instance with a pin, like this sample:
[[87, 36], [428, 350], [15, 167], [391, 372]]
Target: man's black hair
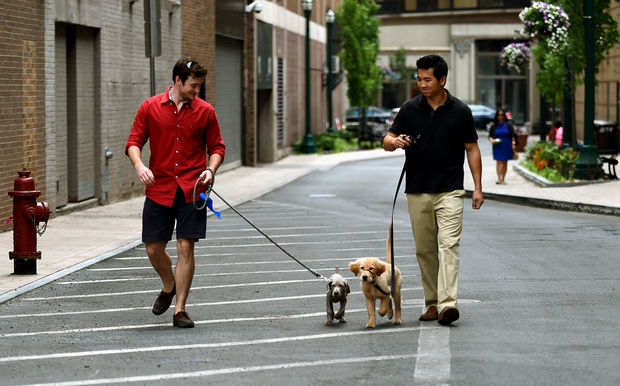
[[436, 62], [186, 67]]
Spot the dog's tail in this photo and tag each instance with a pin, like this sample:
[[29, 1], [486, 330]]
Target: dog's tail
[[389, 245]]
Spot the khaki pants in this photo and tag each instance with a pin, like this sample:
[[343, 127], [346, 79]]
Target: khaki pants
[[437, 223]]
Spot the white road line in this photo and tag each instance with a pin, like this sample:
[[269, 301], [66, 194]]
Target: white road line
[[64, 272], [197, 346], [433, 363], [264, 229], [105, 294], [320, 242], [172, 254], [267, 244], [241, 263], [214, 321], [258, 236], [270, 271], [136, 278], [231, 370], [205, 304]]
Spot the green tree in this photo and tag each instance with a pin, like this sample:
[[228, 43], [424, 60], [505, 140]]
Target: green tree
[[556, 70], [360, 45], [398, 61]]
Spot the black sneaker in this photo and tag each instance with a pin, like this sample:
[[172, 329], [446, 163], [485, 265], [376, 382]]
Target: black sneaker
[[181, 319], [163, 301]]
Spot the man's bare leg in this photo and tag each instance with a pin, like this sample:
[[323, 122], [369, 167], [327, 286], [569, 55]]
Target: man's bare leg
[[184, 272], [160, 260]]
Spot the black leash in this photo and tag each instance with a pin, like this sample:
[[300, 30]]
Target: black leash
[[391, 231], [206, 197]]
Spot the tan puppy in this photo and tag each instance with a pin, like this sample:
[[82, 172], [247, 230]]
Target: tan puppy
[[376, 282]]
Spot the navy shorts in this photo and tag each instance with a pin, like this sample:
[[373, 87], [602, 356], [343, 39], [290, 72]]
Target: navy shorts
[[158, 220]]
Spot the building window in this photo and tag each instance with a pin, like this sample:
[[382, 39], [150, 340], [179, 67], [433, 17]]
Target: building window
[[400, 6], [496, 86]]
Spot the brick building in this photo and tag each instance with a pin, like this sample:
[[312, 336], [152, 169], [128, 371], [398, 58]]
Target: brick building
[[22, 96], [74, 73]]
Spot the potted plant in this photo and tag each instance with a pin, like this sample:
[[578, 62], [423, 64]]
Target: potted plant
[[546, 21], [516, 56]]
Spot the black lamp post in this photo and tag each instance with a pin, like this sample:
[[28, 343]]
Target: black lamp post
[[588, 165], [330, 17], [308, 145]]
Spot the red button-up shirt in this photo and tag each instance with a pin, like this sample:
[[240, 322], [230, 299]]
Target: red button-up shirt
[[178, 141]]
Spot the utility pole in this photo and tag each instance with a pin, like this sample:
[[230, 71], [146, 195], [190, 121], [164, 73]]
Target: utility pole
[[152, 35], [589, 165], [308, 145]]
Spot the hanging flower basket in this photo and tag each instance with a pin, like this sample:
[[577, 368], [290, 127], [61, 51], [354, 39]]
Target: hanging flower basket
[[516, 56], [546, 22]]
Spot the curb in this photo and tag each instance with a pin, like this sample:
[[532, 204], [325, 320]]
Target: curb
[[551, 204], [542, 181], [64, 272]]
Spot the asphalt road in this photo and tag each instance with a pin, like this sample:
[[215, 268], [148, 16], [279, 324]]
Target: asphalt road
[[539, 294]]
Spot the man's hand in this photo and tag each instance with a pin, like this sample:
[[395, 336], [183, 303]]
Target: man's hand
[[477, 200], [145, 175], [207, 177], [392, 141]]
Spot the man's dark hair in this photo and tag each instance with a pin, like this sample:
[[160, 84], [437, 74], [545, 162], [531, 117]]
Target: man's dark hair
[[186, 67], [436, 62]]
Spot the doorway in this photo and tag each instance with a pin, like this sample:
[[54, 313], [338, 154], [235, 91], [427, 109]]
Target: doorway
[[76, 112]]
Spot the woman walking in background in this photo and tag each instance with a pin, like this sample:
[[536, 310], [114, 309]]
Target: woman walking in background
[[504, 138]]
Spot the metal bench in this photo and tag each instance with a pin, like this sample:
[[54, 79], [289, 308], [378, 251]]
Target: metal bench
[[607, 142]]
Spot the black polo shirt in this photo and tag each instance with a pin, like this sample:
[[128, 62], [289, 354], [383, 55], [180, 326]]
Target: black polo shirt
[[435, 163]]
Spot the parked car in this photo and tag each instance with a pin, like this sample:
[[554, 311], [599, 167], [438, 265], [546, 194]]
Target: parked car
[[376, 119], [484, 115], [393, 114], [373, 114]]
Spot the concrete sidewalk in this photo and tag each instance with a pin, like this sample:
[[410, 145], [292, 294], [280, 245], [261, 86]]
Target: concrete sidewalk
[[81, 238]]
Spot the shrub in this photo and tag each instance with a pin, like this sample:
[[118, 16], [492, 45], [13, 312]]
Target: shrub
[[551, 162], [332, 142]]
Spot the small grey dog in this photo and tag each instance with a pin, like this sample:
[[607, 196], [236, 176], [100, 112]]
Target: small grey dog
[[337, 290]]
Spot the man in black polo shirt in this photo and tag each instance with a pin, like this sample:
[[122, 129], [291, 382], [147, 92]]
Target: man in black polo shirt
[[445, 130]]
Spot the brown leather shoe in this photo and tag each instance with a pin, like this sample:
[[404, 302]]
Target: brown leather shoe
[[430, 314], [163, 301], [448, 315], [181, 319]]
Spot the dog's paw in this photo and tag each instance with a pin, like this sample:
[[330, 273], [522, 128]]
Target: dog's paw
[[329, 323], [342, 320], [397, 321], [370, 325]]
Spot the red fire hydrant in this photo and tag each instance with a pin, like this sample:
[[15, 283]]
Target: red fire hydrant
[[27, 214]]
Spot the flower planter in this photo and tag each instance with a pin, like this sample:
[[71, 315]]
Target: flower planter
[[521, 142]]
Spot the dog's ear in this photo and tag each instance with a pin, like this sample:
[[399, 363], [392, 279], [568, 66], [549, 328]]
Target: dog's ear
[[380, 267], [354, 266], [329, 285], [346, 286]]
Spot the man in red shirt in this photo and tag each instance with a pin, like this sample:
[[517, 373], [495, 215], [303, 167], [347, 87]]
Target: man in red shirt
[[180, 128]]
